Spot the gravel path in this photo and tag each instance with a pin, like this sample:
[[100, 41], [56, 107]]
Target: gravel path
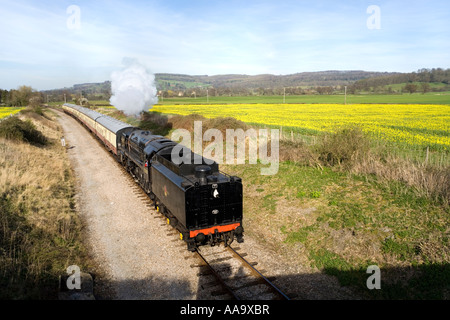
[[141, 256]]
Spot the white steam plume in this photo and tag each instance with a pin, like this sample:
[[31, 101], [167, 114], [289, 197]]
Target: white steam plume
[[133, 88]]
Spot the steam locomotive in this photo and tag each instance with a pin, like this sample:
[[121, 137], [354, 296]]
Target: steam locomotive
[[202, 203]]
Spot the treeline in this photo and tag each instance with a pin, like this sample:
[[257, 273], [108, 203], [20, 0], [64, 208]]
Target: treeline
[[414, 82], [23, 96], [90, 91], [326, 82], [251, 82], [242, 92]]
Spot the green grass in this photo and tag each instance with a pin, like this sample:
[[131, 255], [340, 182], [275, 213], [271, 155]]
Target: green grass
[[399, 86], [405, 233], [415, 98], [186, 84], [301, 235], [335, 265]]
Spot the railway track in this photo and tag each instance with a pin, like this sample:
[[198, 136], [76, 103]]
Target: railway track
[[237, 277], [223, 271]]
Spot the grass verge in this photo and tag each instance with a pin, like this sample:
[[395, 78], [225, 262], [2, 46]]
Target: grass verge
[[341, 206], [40, 229]]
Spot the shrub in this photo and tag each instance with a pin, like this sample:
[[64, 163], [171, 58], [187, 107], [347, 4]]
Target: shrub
[[155, 122], [15, 129], [344, 148], [297, 151]]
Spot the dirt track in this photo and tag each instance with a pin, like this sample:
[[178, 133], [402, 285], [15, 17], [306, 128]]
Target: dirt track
[[140, 256]]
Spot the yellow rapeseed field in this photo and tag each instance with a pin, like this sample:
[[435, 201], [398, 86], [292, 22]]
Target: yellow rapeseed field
[[418, 125], [6, 111]]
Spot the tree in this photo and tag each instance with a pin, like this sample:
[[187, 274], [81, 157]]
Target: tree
[[329, 90], [35, 100], [351, 89], [321, 90], [83, 102], [425, 86], [4, 96], [22, 95], [411, 88]]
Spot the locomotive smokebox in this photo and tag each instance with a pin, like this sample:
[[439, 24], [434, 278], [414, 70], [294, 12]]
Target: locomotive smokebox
[[201, 172]]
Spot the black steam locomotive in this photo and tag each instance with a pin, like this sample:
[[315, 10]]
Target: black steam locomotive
[[201, 202]]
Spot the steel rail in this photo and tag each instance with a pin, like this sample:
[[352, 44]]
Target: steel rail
[[218, 277], [274, 288]]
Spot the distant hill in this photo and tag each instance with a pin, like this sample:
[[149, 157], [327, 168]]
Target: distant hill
[[241, 84], [167, 81], [322, 78]]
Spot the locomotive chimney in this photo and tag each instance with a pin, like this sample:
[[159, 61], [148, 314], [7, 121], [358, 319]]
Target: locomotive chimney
[[201, 172]]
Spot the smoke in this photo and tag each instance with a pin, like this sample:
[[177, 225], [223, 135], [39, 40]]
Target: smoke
[[133, 88]]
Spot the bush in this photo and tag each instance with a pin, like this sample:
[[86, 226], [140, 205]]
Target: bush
[[155, 122], [32, 111], [297, 151], [15, 129], [344, 148]]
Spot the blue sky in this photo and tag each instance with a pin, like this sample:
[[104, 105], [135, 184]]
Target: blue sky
[[46, 46]]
